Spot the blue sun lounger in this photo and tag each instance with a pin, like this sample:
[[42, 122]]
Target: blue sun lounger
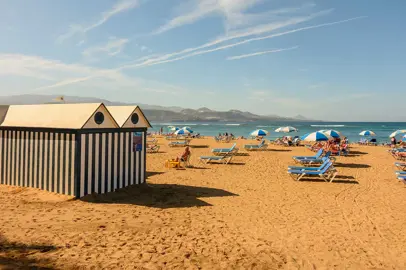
[[400, 173], [178, 143], [218, 151], [316, 161], [401, 165], [326, 161], [328, 173], [221, 159], [402, 178], [316, 156], [259, 146]]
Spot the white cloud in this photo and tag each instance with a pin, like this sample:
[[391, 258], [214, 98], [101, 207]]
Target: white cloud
[[194, 10], [119, 7], [195, 51], [260, 53], [113, 47], [63, 75]]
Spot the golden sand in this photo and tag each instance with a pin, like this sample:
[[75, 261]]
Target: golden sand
[[246, 215]]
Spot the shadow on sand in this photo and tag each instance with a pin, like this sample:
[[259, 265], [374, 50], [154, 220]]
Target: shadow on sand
[[351, 165], [278, 150], [231, 164], [198, 146], [356, 154], [149, 174], [17, 255], [159, 196], [339, 179], [238, 154]]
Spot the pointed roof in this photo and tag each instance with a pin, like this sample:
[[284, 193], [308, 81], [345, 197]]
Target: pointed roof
[[3, 112], [64, 116], [123, 114]]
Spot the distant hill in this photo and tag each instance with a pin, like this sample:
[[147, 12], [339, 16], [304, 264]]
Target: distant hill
[[156, 113]]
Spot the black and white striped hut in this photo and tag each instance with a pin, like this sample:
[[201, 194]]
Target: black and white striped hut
[[73, 149]]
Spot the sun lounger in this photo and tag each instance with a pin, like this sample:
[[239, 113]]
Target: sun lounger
[[402, 178], [152, 141], [399, 155], [316, 156], [219, 151], [401, 165], [328, 173], [178, 143], [308, 162], [221, 159], [326, 161], [153, 148], [250, 147]]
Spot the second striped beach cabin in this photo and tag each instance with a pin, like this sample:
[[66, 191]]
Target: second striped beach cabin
[[72, 149]]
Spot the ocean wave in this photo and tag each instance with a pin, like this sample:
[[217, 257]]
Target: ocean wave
[[205, 124], [263, 126], [327, 125], [233, 124], [163, 124]]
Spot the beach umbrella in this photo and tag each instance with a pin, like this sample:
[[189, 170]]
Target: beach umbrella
[[397, 132], [286, 129], [188, 129], [315, 137], [172, 128], [367, 133], [331, 133], [182, 132], [259, 132]]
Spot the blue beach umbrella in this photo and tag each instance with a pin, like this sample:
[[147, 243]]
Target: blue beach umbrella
[[286, 129], [367, 133], [188, 129], [331, 133], [259, 132], [397, 132], [315, 137], [182, 132]]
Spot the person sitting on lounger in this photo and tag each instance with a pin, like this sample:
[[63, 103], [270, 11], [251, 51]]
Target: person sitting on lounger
[[185, 155]]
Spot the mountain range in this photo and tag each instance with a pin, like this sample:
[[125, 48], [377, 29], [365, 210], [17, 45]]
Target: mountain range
[[155, 113]]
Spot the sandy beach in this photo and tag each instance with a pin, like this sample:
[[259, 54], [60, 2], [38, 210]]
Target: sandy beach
[[246, 215]]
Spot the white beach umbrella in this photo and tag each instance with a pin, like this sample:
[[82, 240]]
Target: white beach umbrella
[[367, 133], [259, 132], [182, 132], [188, 129], [397, 132], [315, 137], [286, 129], [331, 133]]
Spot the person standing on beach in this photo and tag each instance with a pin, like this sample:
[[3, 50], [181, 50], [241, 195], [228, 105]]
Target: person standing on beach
[[393, 142]]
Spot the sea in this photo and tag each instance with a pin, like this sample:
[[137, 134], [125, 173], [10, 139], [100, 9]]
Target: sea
[[349, 129]]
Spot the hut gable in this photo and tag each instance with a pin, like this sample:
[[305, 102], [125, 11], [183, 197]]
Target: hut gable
[[129, 116], [59, 116], [101, 118], [3, 112]]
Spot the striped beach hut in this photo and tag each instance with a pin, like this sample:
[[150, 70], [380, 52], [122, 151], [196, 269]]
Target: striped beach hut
[[73, 149]]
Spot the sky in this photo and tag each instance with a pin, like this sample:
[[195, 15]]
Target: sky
[[337, 60]]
